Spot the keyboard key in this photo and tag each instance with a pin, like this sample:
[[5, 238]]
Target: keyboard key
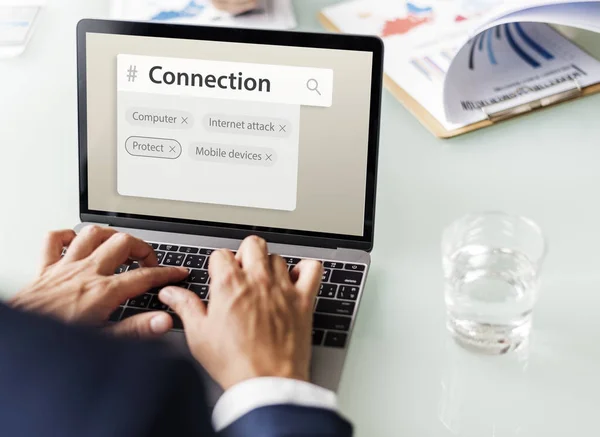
[[159, 256], [140, 301], [198, 276], [121, 269], [177, 323], [326, 321], [333, 265], [157, 305], [317, 337], [332, 306], [327, 290], [185, 249], [290, 260], [154, 245], [346, 277], [347, 292], [206, 251], [355, 267], [194, 261], [174, 259], [200, 290], [129, 312], [169, 247], [116, 315], [335, 339], [326, 275], [134, 265]]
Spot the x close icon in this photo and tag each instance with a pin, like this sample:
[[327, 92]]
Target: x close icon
[[268, 157], [184, 120], [282, 128]]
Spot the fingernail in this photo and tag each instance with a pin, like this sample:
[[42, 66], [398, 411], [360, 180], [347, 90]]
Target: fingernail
[[159, 323], [166, 292], [184, 269]]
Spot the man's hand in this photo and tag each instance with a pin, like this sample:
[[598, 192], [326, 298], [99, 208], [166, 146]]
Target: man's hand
[[81, 286], [235, 7], [259, 321]]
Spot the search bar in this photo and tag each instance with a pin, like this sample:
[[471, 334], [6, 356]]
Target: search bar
[[225, 80]]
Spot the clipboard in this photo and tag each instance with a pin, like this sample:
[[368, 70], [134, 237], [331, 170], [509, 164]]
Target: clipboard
[[492, 117]]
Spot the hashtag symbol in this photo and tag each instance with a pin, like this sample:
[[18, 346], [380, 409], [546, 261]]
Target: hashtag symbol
[[132, 73]]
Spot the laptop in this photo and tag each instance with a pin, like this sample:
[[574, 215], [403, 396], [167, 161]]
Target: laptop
[[193, 138]]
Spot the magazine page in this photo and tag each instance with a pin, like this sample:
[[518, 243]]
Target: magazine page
[[421, 38], [510, 65], [582, 14]]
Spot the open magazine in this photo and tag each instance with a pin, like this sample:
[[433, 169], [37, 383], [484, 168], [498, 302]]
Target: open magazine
[[462, 60]]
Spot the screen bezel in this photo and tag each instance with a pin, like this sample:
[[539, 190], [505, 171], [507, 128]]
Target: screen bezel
[[267, 37]]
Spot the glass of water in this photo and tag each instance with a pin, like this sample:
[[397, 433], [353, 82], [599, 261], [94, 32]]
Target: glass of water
[[492, 263]]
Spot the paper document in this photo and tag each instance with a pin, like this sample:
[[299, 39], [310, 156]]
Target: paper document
[[510, 65], [443, 54], [270, 14], [15, 24]]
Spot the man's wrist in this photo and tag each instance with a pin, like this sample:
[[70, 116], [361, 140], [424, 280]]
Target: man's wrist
[[282, 372], [254, 393]]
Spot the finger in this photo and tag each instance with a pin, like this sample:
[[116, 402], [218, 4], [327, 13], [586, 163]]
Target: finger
[[224, 270], [54, 244], [254, 258], [221, 258], [121, 247], [88, 240], [186, 304], [280, 271], [309, 274], [138, 281], [147, 325]]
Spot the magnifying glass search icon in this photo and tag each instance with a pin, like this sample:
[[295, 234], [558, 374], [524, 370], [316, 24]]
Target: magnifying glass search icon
[[313, 85]]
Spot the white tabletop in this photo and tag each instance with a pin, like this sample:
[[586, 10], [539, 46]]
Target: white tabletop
[[403, 377]]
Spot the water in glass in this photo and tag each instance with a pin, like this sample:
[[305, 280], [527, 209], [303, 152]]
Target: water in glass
[[490, 293]]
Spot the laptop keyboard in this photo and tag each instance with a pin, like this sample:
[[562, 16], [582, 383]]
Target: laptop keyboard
[[334, 308]]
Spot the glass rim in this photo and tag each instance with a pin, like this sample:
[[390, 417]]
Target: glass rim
[[496, 213]]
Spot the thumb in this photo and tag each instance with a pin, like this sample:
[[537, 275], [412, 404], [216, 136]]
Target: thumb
[[146, 325], [186, 304]]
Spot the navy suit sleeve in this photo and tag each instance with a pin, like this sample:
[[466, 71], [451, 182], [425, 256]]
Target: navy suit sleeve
[[289, 421], [63, 381]]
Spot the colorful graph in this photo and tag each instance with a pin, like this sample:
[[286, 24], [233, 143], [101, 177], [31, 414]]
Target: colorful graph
[[417, 10], [525, 47], [416, 16], [192, 9], [400, 26], [434, 66]]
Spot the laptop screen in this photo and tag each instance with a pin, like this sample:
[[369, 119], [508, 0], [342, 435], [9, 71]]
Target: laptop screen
[[256, 135]]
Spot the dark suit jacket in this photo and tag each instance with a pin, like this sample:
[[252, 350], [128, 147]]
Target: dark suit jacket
[[64, 381]]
